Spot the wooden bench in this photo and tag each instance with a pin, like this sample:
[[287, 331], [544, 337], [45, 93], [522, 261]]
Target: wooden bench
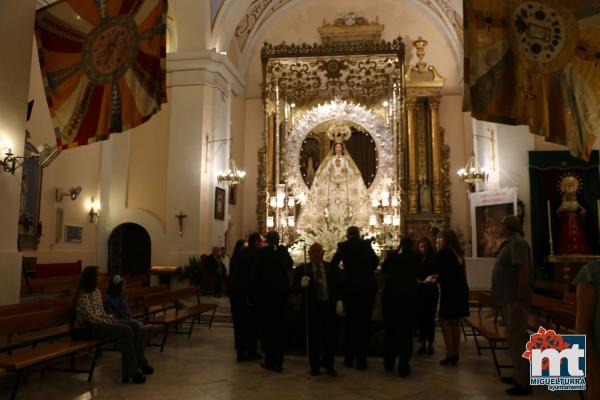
[[484, 323], [42, 323], [550, 289], [167, 309], [66, 284], [135, 298], [32, 306], [29, 329]]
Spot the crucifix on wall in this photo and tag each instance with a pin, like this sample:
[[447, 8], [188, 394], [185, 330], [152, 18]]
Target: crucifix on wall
[[180, 217]]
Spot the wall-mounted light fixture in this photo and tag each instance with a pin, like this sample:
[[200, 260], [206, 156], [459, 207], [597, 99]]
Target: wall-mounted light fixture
[[94, 210], [473, 173], [73, 193]]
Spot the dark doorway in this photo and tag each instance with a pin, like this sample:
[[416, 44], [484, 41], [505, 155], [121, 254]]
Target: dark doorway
[[129, 250]]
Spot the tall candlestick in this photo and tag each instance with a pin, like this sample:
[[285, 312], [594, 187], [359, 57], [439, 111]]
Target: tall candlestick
[[550, 229]]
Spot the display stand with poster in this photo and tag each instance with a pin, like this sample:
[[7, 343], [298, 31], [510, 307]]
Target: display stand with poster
[[487, 210]]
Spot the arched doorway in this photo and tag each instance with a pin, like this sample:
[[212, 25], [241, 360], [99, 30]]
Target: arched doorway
[[129, 250]]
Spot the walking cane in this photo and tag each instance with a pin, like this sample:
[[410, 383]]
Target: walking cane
[[306, 308]]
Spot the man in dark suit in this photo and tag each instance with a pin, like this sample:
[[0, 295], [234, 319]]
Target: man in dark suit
[[271, 289], [359, 290], [243, 312], [320, 282]]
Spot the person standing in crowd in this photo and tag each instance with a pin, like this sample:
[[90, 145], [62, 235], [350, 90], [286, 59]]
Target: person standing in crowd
[[271, 289], [243, 312], [401, 269], [511, 292], [226, 261], [92, 323], [454, 298], [588, 322], [359, 290], [319, 282], [216, 270], [428, 294]]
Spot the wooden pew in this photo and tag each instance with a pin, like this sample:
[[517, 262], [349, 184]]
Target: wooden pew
[[484, 323], [550, 289], [168, 310], [40, 305], [66, 284], [28, 325]]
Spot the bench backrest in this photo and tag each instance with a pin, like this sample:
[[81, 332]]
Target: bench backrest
[[28, 322], [550, 304], [554, 288], [133, 293], [171, 297], [41, 305]]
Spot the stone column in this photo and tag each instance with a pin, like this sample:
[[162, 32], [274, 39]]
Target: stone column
[[413, 186], [16, 30], [436, 152]]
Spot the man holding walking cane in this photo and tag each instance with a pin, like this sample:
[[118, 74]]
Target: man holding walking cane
[[319, 281]]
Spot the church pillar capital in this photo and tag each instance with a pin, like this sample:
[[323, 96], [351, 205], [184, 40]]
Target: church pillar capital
[[204, 68]]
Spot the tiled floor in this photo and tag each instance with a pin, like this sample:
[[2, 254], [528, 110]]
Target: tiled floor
[[204, 368]]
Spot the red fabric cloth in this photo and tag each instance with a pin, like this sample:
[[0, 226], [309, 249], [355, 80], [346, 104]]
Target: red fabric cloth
[[571, 239], [57, 269]]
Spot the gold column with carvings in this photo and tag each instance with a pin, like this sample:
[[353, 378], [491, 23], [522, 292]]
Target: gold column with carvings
[[436, 155], [413, 186]]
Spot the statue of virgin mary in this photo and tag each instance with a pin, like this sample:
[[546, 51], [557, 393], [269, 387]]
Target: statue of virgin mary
[[338, 197]]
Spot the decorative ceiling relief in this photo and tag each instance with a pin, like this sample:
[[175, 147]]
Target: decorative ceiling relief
[[261, 10]]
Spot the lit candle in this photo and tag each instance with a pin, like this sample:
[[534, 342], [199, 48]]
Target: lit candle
[[372, 220]]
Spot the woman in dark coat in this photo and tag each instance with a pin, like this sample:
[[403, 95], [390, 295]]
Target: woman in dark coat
[[428, 296], [454, 300], [399, 295]]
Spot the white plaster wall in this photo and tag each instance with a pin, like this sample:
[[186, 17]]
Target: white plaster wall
[[235, 222], [458, 137], [514, 144], [254, 127], [16, 29]]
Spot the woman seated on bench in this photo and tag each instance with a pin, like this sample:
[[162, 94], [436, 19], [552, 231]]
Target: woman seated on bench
[[91, 322], [115, 303]]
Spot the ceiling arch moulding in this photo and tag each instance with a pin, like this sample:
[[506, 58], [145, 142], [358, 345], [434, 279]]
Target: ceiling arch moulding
[[260, 10], [248, 33]]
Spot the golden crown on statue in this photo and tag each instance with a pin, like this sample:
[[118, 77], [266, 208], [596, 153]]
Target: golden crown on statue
[[339, 132]]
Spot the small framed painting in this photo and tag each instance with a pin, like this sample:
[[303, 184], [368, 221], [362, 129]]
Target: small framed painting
[[73, 234], [219, 203], [233, 195]]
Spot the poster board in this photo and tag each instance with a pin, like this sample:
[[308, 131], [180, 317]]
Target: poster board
[[487, 210]]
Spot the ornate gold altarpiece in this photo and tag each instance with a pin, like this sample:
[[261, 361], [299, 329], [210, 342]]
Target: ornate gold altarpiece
[[365, 84]]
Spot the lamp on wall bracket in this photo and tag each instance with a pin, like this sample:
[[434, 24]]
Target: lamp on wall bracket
[[232, 176], [473, 173], [94, 210], [73, 193]]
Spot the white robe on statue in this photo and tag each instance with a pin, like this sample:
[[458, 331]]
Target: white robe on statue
[[337, 199]]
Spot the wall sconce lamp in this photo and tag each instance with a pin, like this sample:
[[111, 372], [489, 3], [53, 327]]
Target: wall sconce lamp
[[94, 210], [10, 162], [73, 193]]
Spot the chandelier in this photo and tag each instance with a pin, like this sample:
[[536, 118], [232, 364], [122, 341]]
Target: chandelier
[[233, 176], [472, 172]]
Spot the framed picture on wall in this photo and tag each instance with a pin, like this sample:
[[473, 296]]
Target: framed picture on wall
[[219, 203], [233, 195], [73, 234]]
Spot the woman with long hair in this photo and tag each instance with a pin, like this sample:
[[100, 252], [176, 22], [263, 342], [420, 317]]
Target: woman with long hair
[[428, 296], [91, 322], [454, 299]]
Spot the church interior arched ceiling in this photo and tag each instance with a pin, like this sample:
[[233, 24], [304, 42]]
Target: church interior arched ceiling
[[296, 21]]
